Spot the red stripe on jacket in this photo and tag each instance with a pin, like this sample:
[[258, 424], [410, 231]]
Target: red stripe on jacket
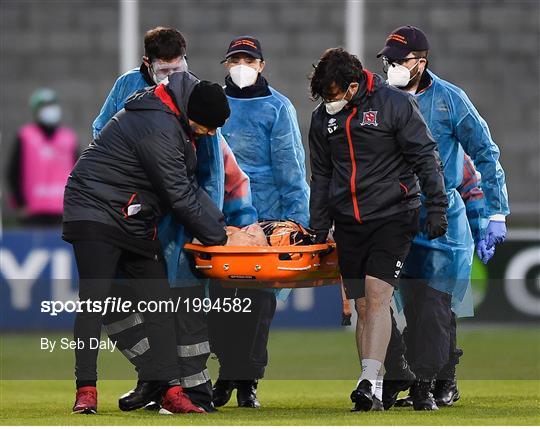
[[353, 162]]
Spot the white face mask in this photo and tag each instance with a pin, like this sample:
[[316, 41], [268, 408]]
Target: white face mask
[[243, 75], [399, 75], [49, 115], [334, 107]]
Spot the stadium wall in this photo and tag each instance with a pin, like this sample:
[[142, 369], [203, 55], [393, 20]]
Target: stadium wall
[[488, 47]]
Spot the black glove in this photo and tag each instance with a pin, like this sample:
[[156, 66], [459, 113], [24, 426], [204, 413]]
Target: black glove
[[436, 224], [321, 236], [345, 319]]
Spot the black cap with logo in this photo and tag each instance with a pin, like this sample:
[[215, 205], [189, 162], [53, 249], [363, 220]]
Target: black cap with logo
[[402, 41], [246, 45]]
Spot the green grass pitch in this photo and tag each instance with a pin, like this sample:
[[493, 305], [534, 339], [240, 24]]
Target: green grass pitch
[[310, 376]]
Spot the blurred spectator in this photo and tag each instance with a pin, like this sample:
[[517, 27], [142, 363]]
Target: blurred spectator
[[44, 154]]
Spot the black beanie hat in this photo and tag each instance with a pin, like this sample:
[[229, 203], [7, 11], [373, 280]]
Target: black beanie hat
[[208, 105]]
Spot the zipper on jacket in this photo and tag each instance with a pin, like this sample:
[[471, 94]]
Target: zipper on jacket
[[126, 207], [404, 188], [353, 161]]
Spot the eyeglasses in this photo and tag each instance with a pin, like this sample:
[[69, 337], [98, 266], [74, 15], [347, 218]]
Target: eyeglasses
[[387, 62], [246, 59]]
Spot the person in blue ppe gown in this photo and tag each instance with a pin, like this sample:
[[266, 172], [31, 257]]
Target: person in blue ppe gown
[[164, 53], [219, 175], [439, 270], [263, 134]]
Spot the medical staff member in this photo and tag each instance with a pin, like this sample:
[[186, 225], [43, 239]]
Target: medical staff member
[[218, 173], [444, 264], [164, 53], [264, 136], [139, 168], [371, 155], [44, 153]]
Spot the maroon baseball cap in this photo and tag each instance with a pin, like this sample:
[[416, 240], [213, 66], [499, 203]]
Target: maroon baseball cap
[[402, 41], [246, 45]]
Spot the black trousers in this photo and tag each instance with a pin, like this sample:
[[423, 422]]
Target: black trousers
[[430, 335], [239, 339], [395, 352], [191, 339], [98, 263]]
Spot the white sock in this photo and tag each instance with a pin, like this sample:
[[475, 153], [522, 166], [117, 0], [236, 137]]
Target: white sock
[[379, 386], [370, 371]]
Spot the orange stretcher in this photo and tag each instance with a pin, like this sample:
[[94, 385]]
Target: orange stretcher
[[278, 266]]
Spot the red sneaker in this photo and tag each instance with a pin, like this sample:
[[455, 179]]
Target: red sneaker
[[85, 400], [176, 401]]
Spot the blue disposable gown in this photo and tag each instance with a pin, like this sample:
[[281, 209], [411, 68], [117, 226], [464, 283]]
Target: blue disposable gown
[[264, 136], [125, 85], [458, 128]]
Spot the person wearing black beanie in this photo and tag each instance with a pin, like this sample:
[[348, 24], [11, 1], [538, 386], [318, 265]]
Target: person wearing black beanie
[[141, 167], [208, 107]]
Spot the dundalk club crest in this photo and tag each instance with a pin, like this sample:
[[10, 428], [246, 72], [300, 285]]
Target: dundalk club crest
[[370, 118]]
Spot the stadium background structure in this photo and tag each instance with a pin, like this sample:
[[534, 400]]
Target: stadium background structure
[[487, 47]]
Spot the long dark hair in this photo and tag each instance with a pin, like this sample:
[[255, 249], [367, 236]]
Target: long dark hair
[[338, 66]]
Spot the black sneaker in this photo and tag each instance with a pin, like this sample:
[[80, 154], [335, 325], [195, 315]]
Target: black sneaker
[[221, 392], [446, 392], [422, 398], [246, 394], [362, 396], [144, 393], [398, 380]]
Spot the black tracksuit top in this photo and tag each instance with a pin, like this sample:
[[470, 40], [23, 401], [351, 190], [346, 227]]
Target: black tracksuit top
[[366, 159], [145, 156]]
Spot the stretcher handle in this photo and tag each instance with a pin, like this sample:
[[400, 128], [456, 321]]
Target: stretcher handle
[[204, 267], [306, 268], [198, 248]]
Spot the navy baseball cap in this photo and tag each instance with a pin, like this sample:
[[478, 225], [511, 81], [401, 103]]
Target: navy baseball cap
[[246, 45], [403, 40]]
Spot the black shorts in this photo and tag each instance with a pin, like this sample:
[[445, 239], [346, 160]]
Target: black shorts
[[376, 248]]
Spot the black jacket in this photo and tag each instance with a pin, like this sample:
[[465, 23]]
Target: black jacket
[[145, 156], [366, 159]]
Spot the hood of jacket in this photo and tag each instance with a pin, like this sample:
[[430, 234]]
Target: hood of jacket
[[370, 83], [179, 87]]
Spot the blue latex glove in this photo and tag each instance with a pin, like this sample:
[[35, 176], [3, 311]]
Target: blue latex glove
[[495, 233], [483, 252]]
